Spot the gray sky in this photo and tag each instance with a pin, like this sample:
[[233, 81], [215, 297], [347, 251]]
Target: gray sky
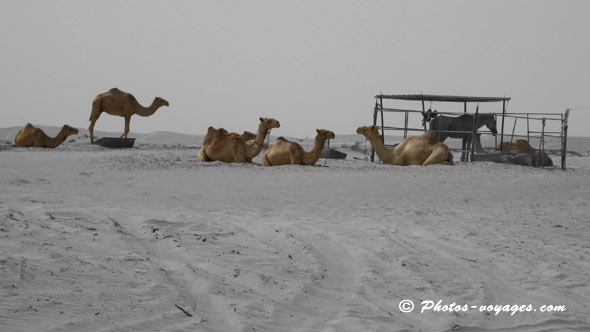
[[309, 64]]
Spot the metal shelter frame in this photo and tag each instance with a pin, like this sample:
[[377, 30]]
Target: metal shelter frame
[[542, 117]]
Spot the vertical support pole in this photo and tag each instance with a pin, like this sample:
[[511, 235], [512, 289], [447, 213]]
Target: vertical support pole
[[374, 124], [423, 115], [495, 136], [528, 134], [382, 123], [502, 134], [465, 107], [513, 128], [564, 139], [473, 137], [541, 144], [406, 125]]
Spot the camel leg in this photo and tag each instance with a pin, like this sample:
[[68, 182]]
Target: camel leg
[[439, 155], [265, 160], [201, 156], [94, 115], [91, 131], [238, 157], [127, 120], [294, 157]]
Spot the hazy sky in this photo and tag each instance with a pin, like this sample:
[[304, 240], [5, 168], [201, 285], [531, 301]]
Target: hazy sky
[[309, 64]]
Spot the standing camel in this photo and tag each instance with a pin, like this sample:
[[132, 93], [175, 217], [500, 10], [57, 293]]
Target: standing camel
[[284, 152], [31, 136], [117, 102]]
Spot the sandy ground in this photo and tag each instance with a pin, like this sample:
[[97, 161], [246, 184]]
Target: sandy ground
[[93, 239]]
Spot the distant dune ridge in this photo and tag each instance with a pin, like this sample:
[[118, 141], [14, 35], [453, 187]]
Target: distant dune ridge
[[575, 143]]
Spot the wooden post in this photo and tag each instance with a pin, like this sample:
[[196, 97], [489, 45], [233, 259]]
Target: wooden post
[[502, 134], [564, 139], [473, 137]]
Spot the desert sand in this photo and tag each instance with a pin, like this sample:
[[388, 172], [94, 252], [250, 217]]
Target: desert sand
[[93, 239]]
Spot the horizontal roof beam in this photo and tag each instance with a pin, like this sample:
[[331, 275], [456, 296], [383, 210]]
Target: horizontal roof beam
[[444, 98]]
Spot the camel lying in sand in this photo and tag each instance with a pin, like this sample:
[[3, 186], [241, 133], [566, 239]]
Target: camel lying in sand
[[419, 150], [519, 146], [524, 153], [32, 136], [248, 136], [117, 102], [219, 144], [284, 152]]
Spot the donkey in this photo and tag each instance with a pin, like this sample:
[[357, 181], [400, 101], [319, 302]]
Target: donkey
[[460, 123]]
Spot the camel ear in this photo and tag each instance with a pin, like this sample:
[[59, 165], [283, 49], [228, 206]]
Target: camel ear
[[261, 119], [317, 131]]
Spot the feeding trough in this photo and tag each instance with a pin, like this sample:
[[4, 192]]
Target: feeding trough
[[115, 142], [538, 159], [332, 154]]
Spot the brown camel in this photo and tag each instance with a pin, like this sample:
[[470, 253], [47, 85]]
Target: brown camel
[[284, 152], [418, 150], [117, 102], [519, 146], [221, 145], [32, 136]]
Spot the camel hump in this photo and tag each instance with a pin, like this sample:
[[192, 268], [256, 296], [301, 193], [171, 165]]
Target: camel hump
[[281, 138], [28, 125], [431, 137], [115, 90]]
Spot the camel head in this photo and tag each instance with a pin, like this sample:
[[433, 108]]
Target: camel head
[[325, 134], [268, 123], [248, 136], [368, 131], [161, 102], [69, 130]]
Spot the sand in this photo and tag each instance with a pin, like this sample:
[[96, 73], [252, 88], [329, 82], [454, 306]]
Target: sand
[[93, 239]]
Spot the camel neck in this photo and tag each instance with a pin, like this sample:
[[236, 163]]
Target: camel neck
[[311, 157], [385, 154], [57, 140], [254, 149], [147, 111]]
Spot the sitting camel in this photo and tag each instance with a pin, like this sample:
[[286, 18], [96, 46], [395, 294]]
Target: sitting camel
[[284, 152], [219, 144], [117, 102], [519, 146], [524, 153], [419, 150], [32, 136], [248, 136]]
